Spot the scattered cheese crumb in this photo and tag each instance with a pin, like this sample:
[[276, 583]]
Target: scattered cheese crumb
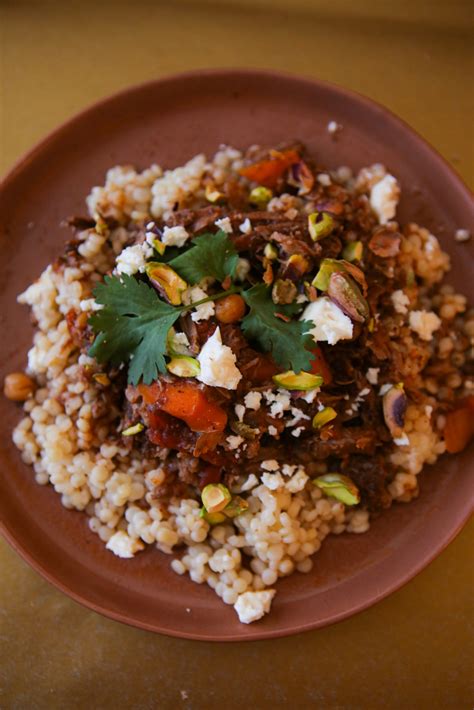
[[372, 375], [297, 482], [288, 469], [333, 127], [280, 402], [239, 410], [133, 259], [123, 545], [297, 432], [424, 323], [174, 236], [272, 430], [217, 362], [311, 395], [384, 197], [270, 465], [462, 235], [224, 224], [242, 269], [202, 312], [331, 324], [273, 481], [250, 483], [400, 301], [246, 226], [298, 416], [251, 606], [385, 388], [402, 440], [234, 441], [324, 179], [253, 400], [180, 344]]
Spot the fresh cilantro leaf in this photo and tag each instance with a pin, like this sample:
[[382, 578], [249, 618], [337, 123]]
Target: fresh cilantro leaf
[[287, 341], [133, 325], [212, 255]]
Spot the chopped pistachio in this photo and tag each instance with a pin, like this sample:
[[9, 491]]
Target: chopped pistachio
[[371, 325], [158, 246], [394, 408], [345, 293], [101, 378], [175, 346], [270, 251], [338, 486], [166, 281], [184, 366], [260, 196], [323, 417], [212, 518], [215, 497], [284, 291], [326, 268], [353, 251], [320, 225], [212, 194], [296, 266], [302, 381], [236, 507], [134, 429]]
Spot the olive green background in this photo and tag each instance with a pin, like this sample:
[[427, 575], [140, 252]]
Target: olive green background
[[412, 650]]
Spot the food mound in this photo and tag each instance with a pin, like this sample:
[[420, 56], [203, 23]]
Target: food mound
[[237, 357]]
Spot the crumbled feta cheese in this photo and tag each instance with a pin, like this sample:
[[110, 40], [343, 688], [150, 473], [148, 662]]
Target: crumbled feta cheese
[[297, 481], [402, 440], [242, 269], [280, 402], [324, 179], [250, 483], [372, 375], [297, 432], [424, 323], [224, 224], [302, 298], [202, 312], [363, 393], [400, 301], [251, 606], [133, 259], [234, 441], [384, 197], [428, 410], [462, 235], [174, 236], [333, 127], [311, 395], [150, 226], [272, 430], [253, 400], [272, 481], [89, 304], [298, 416], [385, 388], [217, 362], [331, 324], [246, 226], [288, 469], [239, 410], [123, 545], [270, 465]]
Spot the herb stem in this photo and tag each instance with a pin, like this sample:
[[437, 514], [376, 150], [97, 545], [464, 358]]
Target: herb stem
[[214, 297]]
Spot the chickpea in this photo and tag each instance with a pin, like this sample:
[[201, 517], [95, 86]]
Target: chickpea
[[18, 386], [230, 309]]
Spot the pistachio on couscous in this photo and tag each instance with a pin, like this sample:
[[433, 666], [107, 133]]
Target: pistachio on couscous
[[237, 357]]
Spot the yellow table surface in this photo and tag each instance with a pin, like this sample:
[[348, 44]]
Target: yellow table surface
[[412, 650]]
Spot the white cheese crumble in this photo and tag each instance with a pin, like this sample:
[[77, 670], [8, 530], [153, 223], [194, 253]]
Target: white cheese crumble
[[272, 430], [297, 432], [251, 606], [385, 388], [280, 402], [331, 324], [297, 481], [302, 298], [174, 236], [123, 545], [298, 416], [246, 226], [242, 269], [333, 127], [133, 259], [372, 375], [217, 362], [180, 344], [202, 312], [462, 235], [424, 323], [311, 395], [224, 224], [253, 400], [400, 301], [234, 442], [384, 197], [270, 465], [239, 410], [324, 179], [272, 481], [250, 483], [402, 440]]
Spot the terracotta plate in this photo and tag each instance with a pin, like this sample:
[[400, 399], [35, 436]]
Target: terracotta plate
[[168, 121]]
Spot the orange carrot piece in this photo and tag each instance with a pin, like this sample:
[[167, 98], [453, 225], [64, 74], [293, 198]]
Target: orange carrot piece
[[268, 172]]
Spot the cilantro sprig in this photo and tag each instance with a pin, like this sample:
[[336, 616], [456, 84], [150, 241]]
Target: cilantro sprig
[[134, 322]]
